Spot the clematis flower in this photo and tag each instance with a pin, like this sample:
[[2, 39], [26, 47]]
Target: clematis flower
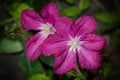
[[44, 26], [74, 40]]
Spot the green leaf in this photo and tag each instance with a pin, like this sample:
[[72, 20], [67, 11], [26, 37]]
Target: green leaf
[[71, 1], [47, 60], [84, 4], [71, 73], [78, 78], [16, 9], [105, 28], [115, 37], [30, 68], [39, 77], [50, 74], [109, 18], [9, 46], [71, 11]]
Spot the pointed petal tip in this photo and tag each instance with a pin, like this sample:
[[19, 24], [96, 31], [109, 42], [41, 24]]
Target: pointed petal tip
[[52, 3], [84, 25], [30, 20], [30, 58], [89, 59], [50, 12], [33, 56], [62, 71], [65, 63], [94, 42], [33, 47], [96, 65]]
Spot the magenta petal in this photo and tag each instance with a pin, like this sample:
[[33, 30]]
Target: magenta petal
[[59, 59], [53, 45], [62, 26], [50, 12], [89, 59], [85, 24], [65, 62], [94, 42], [33, 46], [30, 20]]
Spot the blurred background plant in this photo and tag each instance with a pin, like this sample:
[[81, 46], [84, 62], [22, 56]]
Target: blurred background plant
[[12, 39]]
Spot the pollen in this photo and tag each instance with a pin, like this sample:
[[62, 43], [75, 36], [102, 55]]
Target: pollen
[[74, 43], [46, 30]]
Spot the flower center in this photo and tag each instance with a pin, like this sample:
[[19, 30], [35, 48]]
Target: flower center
[[46, 30], [74, 44]]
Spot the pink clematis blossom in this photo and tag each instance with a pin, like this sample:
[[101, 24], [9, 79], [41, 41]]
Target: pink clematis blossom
[[74, 40], [31, 20]]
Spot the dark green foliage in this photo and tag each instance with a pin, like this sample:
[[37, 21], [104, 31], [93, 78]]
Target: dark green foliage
[[38, 4], [47, 60], [30, 68]]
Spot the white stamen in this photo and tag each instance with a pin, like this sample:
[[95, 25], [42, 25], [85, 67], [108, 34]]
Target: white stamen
[[46, 30], [75, 44]]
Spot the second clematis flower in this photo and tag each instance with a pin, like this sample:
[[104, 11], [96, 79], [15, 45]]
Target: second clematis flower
[[45, 26], [74, 40]]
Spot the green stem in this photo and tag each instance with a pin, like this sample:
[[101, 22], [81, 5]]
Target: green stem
[[80, 74], [29, 67]]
